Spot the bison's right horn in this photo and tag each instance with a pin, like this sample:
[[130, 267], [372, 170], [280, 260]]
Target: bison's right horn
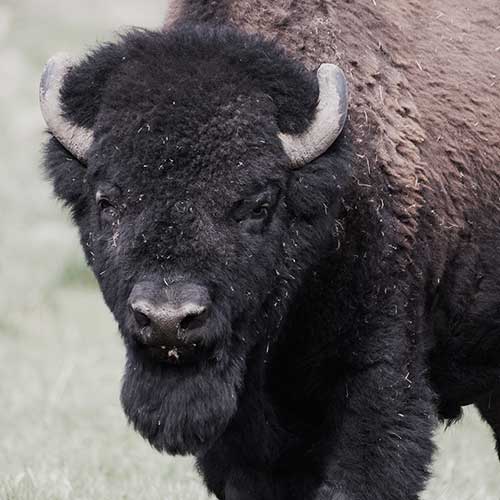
[[328, 122], [76, 139]]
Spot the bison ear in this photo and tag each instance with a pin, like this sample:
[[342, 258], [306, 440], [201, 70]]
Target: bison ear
[[328, 121]]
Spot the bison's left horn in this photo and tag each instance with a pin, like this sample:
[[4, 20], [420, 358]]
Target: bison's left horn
[[328, 122], [76, 139]]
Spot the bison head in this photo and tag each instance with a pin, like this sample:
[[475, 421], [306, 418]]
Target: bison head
[[178, 154]]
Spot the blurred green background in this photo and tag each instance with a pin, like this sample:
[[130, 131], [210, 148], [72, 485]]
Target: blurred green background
[[63, 435]]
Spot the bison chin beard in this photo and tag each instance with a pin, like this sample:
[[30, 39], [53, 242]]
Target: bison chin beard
[[181, 410]]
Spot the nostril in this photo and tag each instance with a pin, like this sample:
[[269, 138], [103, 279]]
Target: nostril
[[141, 319], [186, 323], [193, 320]]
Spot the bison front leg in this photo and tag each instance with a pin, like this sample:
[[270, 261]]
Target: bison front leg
[[381, 427]]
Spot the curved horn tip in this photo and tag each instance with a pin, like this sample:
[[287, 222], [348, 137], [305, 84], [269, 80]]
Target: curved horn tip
[[52, 79], [74, 138], [334, 77], [328, 122]]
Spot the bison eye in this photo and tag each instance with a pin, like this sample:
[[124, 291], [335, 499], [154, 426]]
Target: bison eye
[[255, 212], [105, 205], [260, 211]]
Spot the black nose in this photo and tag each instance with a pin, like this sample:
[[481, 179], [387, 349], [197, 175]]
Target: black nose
[[169, 316]]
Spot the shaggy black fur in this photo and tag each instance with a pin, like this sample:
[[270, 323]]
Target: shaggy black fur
[[315, 382]]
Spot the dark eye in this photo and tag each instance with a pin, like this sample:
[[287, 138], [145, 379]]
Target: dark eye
[[107, 209], [260, 211], [104, 203], [254, 213]]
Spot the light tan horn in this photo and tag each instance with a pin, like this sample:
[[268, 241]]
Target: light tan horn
[[76, 139], [328, 122]]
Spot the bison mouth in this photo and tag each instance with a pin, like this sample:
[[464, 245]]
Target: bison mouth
[[168, 354], [177, 355]]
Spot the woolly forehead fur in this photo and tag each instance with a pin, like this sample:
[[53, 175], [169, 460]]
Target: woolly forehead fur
[[206, 98]]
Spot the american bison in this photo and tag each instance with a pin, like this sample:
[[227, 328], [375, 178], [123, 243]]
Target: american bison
[[293, 212]]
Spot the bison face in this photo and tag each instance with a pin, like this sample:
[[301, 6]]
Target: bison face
[[174, 152]]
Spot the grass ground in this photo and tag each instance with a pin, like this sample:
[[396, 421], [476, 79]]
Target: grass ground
[[63, 435]]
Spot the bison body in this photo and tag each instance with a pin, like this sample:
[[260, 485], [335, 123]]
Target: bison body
[[299, 330]]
